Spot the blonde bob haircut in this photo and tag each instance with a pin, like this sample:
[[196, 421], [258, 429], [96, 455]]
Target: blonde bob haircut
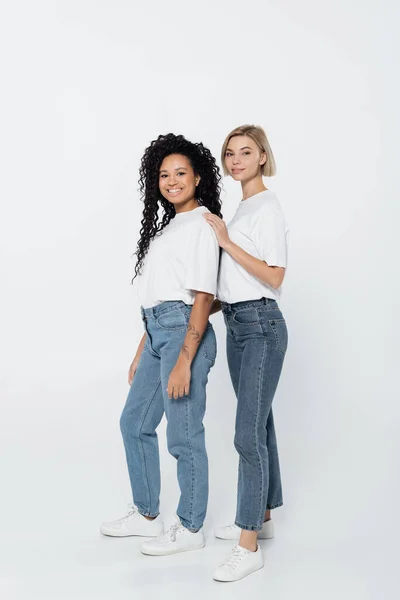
[[258, 135]]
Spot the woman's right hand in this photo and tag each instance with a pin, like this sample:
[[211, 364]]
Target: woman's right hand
[[132, 370], [135, 362]]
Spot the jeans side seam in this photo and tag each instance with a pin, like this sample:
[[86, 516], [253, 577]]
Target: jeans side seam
[[237, 487], [191, 463], [229, 337], [260, 380], [144, 467]]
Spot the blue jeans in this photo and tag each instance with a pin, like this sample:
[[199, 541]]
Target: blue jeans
[[256, 345], [166, 326]]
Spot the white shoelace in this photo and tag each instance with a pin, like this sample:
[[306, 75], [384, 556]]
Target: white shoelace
[[132, 509], [173, 531], [235, 557]]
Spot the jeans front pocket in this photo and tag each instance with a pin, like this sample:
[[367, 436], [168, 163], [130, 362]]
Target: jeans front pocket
[[246, 316], [172, 320]]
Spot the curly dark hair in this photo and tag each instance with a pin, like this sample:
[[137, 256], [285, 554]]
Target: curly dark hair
[[207, 192]]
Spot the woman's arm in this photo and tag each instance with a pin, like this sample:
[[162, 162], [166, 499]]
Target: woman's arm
[[272, 276], [179, 379], [216, 307]]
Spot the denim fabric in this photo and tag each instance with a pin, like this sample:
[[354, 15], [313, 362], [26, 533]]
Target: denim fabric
[[166, 326], [256, 345]]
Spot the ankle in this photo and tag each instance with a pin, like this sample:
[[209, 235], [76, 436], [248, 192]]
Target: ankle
[[249, 546], [248, 540], [149, 518]]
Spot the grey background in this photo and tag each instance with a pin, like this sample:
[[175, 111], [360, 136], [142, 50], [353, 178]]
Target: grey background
[[85, 86]]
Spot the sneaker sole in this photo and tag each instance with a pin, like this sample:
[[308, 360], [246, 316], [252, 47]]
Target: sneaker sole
[[239, 578], [121, 535], [152, 553]]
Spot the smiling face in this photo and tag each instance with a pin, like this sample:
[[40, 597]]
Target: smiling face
[[178, 181], [243, 158]]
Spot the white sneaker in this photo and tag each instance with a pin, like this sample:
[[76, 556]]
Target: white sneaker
[[240, 563], [176, 539], [232, 532], [133, 524]]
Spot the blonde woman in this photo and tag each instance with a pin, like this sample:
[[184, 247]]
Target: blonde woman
[[252, 270]]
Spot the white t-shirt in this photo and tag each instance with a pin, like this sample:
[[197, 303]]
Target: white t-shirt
[[259, 228], [181, 260]]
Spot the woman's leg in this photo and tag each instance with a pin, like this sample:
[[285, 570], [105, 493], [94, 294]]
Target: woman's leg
[[274, 496], [142, 414], [259, 375], [185, 431]]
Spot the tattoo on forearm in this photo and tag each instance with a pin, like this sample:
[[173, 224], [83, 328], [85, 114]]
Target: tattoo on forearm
[[195, 336], [185, 351], [194, 333]]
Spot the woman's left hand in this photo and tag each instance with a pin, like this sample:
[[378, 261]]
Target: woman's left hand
[[179, 380], [220, 229]]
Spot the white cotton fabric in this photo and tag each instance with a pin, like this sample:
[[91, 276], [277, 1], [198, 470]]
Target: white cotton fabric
[[181, 260], [259, 227]]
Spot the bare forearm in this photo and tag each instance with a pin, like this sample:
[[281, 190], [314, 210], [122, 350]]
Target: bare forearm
[[272, 276], [197, 326]]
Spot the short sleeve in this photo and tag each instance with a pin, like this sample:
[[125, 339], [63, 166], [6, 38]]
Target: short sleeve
[[271, 237], [202, 259]]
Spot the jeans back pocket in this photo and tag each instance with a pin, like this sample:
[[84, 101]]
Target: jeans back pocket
[[279, 329]]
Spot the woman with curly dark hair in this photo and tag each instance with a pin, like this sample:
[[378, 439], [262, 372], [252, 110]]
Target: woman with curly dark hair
[[177, 268]]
